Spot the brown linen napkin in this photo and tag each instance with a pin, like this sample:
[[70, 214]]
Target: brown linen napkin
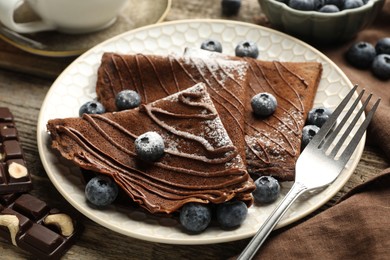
[[357, 227]]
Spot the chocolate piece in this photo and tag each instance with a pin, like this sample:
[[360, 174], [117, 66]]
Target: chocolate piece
[[14, 175], [6, 199], [200, 163], [30, 224]]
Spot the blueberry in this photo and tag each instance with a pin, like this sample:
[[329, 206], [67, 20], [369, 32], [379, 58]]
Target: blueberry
[[338, 3], [195, 217], [329, 9], [92, 107], [101, 190], [127, 99], [381, 66], [211, 45], [263, 104], [351, 4], [247, 49], [231, 214], [149, 146], [304, 5], [318, 116], [308, 132], [361, 55], [230, 7], [383, 46], [267, 189]]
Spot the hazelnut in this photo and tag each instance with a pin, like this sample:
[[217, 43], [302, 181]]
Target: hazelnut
[[17, 170], [12, 223], [62, 221]]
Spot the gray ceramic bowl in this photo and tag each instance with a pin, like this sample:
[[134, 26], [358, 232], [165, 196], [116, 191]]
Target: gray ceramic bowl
[[319, 27]]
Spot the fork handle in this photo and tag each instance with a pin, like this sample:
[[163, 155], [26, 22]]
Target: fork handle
[[296, 190]]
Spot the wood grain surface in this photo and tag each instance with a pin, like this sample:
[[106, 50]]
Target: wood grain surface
[[24, 82]]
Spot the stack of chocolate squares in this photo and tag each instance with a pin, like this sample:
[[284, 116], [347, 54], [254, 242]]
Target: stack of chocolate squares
[[26, 221]]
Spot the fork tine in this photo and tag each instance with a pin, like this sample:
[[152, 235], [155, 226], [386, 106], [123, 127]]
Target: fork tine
[[325, 128], [350, 126], [347, 153], [329, 140]]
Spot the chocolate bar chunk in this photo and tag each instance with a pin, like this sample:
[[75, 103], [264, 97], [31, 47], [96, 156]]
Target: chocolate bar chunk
[[32, 225], [14, 175], [6, 199]]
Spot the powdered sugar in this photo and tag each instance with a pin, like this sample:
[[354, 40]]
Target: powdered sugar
[[212, 136], [217, 64], [214, 130]]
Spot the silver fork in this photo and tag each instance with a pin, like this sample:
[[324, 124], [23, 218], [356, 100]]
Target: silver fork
[[320, 162]]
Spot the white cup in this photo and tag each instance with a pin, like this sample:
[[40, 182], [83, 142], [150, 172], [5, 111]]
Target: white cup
[[69, 16]]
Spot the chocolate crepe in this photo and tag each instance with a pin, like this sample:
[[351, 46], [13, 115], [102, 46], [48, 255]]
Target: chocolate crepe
[[200, 163], [272, 144], [155, 77]]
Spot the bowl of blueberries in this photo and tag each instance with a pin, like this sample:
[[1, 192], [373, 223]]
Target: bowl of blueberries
[[321, 21]]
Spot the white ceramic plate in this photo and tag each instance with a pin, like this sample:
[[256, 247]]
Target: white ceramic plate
[[76, 85]]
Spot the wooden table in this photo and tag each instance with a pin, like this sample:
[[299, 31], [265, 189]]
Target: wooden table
[[24, 82]]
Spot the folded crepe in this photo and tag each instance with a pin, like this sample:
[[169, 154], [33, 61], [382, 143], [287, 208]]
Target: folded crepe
[[271, 145], [274, 143], [200, 163], [155, 77]]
